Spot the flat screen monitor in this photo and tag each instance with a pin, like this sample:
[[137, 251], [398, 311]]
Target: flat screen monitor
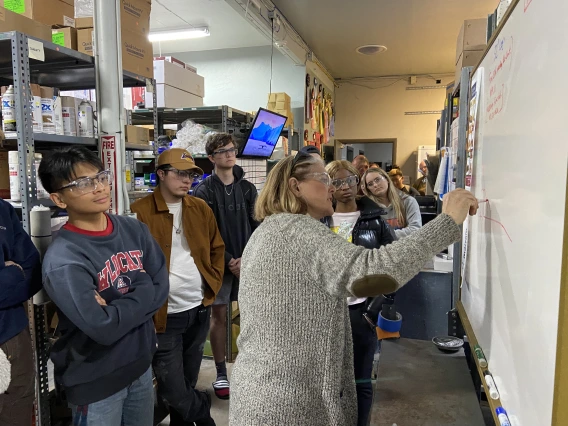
[[266, 130]]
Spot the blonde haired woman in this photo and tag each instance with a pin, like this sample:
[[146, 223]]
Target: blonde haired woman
[[295, 363], [402, 210]]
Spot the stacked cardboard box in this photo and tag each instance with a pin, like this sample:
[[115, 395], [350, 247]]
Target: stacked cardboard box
[[176, 86], [48, 12], [64, 36], [472, 41], [137, 51], [280, 103], [11, 21], [138, 135]]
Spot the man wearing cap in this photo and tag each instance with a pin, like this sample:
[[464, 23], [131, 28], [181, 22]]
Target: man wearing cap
[[398, 181], [187, 232], [311, 150]]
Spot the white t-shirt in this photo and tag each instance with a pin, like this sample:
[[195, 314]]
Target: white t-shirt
[[186, 286], [343, 224]]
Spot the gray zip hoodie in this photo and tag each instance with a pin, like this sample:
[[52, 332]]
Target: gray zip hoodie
[[413, 217]]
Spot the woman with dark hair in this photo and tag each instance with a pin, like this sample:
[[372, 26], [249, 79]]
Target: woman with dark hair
[[295, 363], [358, 220]]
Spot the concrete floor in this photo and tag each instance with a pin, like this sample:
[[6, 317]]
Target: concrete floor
[[219, 408]]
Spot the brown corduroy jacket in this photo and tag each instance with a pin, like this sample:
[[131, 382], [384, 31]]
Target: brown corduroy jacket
[[202, 235]]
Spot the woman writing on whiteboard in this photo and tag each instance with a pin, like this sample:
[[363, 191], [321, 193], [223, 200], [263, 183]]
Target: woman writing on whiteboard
[[402, 210], [295, 363], [358, 220]]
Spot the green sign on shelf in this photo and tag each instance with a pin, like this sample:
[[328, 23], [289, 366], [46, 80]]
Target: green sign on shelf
[[58, 38], [17, 6]]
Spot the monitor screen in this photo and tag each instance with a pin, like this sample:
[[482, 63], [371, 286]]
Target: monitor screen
[[266, 130]]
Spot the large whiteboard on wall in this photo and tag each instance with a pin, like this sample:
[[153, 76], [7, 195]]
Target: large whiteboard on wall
[[511, 283]]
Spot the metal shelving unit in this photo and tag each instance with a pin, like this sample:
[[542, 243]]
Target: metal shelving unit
[[222, 118], [64, 69]]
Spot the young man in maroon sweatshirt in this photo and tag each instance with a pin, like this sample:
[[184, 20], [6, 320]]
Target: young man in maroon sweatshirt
[[107, 276]]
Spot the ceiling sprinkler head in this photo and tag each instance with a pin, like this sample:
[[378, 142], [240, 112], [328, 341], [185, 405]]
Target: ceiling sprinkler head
[[371, 49]]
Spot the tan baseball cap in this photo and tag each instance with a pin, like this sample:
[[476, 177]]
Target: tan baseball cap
[[179, 159]]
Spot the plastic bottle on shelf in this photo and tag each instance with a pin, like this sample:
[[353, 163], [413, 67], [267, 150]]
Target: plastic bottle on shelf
[[9, 110], [13, 165], [85, 117], [41, 193]]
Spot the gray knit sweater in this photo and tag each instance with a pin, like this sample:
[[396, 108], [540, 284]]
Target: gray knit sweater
[[295, 362]]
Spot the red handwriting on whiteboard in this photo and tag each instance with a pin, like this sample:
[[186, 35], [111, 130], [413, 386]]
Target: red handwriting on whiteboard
[[486, 200], [527, 4], [496, 102], [501, 225]]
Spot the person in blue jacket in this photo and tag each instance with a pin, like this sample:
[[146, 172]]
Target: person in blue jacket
[[107, 276], [20, 279]]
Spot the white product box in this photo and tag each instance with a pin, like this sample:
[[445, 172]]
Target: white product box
[[172, 97], [173, 75]]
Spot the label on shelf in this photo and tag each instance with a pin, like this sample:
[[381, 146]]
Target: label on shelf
[[35, 50], [16, 6]]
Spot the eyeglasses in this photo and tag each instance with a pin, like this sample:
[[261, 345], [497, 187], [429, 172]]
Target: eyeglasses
[[351, 181], [227, 152], [184, 174], [89, 184], [376, 181], [320, 177]]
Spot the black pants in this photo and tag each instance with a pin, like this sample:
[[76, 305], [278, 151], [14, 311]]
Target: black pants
[[364, 345], [177, 362]]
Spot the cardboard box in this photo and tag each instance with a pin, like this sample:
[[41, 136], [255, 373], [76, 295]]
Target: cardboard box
[[166, 72], [472, 36], [85, 41], [282, 105], [468, 59], [10, 21], [82, 23], [136, 51], [172, 97], [134, 16], [136, 134], [177, 62], [49, 12], [283, 97], [137, 54], [66, 37]]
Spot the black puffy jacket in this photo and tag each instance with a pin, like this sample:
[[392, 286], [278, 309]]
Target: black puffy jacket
[[371, 232]]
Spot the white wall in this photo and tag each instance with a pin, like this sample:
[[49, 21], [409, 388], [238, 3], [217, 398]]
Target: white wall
[[240, 78], [378, 113]]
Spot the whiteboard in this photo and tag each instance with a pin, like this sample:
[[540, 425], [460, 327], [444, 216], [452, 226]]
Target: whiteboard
[[511, 283]]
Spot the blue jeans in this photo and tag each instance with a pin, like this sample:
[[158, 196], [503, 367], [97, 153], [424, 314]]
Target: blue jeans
[[132, 406]]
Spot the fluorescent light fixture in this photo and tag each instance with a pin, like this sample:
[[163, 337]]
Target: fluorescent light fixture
[[179, 34]]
